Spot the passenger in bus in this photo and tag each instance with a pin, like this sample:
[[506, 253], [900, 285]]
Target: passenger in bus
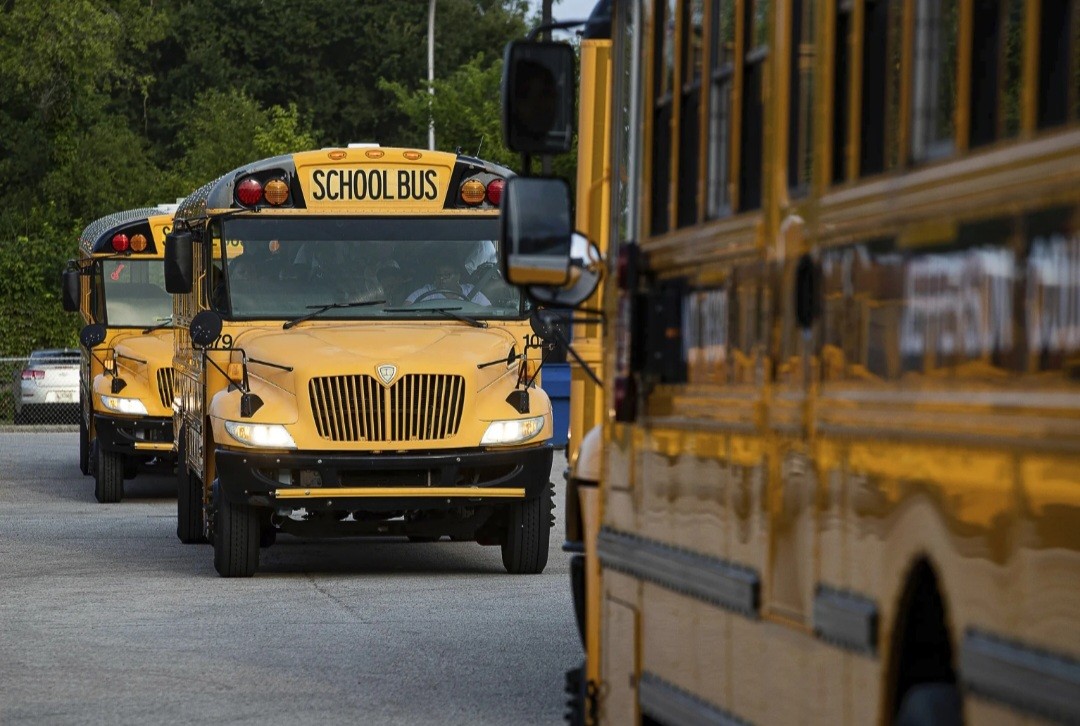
[[483, 253], [447, 285]]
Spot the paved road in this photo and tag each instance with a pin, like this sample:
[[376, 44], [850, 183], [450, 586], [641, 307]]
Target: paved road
[[105, 618]]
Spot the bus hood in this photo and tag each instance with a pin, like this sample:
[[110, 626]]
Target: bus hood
[[144, 362], [407, 348], [156, 348]]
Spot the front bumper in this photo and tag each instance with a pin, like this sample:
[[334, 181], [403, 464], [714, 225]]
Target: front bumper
[[147, 436], [414, 480]]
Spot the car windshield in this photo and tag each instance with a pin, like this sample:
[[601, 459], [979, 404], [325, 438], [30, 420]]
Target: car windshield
[[135, 292], [285, 268], [54, 357]]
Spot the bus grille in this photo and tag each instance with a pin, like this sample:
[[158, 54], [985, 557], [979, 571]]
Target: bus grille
[[418, 407], [165, 386]]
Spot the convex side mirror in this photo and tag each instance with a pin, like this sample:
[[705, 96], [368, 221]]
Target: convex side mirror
[[540, 251]]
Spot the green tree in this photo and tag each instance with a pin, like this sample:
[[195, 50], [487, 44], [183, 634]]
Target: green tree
[[227, 129], [465, 110]]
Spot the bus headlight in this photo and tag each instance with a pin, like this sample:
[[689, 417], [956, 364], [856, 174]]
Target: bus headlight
[[271, 436], [501, 433], [124, 405]]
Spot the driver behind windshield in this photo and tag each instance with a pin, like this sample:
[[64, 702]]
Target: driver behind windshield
[[447, 285]]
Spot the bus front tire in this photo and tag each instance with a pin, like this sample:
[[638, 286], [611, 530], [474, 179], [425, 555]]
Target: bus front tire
[[528, 527], [236, 539], [108, 476]]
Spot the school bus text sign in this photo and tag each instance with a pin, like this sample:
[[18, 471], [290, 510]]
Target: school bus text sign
[[352, 185]]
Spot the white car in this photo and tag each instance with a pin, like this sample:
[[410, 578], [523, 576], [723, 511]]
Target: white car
[[47, 389]]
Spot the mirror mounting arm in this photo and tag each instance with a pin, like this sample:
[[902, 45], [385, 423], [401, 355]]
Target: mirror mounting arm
[[577, 358], [557, 25]]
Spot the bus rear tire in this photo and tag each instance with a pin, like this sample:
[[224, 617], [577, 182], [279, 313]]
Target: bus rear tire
[[236, 539], [84, 447], [108, 476], [528, 529], [190, 520], [190, 517], [931, 704]]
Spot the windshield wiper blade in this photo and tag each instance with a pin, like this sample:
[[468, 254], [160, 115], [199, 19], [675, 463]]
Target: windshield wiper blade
[[320, 309], [164, 323], [447, 312]]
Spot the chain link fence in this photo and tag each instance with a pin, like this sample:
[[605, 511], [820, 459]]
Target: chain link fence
[[36, 391]]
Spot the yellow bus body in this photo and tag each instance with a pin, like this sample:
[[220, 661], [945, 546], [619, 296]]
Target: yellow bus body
[[825, 522], [364, 451], [114, 443]]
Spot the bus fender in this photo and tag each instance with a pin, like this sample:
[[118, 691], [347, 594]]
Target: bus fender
[[586, 464]]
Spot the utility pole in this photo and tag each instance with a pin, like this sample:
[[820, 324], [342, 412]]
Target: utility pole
[[545, 19], [431, 72]]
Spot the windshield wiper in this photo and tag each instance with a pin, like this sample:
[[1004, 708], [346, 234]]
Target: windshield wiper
[[163, 323], [320, 309], [447, 312]]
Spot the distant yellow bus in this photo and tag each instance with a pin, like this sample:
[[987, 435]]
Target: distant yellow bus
[[350, 361], [840, 477], [117, 284]]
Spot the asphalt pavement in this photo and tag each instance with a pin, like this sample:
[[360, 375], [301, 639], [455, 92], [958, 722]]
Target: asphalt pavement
[[106, 618]]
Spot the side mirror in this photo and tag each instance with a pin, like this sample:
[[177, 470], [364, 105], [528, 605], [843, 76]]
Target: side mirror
[[538, 97], [536, 231], [92, 335], [69, 289], [205, 328], [179, 263]]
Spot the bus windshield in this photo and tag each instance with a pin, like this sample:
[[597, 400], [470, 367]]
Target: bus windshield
[[135, 293], [405, 267]]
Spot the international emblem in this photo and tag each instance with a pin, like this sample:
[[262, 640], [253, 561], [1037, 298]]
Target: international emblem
[[386, 373]]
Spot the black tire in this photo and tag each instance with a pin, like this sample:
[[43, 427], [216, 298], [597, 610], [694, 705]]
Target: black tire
[[236, 539], [190, 516], [108, 476], [931, 704], [528, 529], [84, 447]]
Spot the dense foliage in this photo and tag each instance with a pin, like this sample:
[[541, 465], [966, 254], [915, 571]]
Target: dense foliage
[[107, 105]]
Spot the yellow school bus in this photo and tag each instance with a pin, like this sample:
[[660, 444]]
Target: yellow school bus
[[839, 481], [125, 395], [350, 361]]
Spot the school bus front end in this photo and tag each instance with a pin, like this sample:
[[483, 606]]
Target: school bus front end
[[126, 394], [371, 375]]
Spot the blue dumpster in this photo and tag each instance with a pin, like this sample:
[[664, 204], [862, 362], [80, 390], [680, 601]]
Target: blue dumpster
[[556, 383]]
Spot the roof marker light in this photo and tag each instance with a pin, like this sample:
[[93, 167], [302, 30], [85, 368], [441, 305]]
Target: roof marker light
[[249, 192], [276, 191], [120, 242], [495, 190], [138, 242], [472, 192]]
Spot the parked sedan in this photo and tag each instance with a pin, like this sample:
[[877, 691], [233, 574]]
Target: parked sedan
[[47, 390]]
